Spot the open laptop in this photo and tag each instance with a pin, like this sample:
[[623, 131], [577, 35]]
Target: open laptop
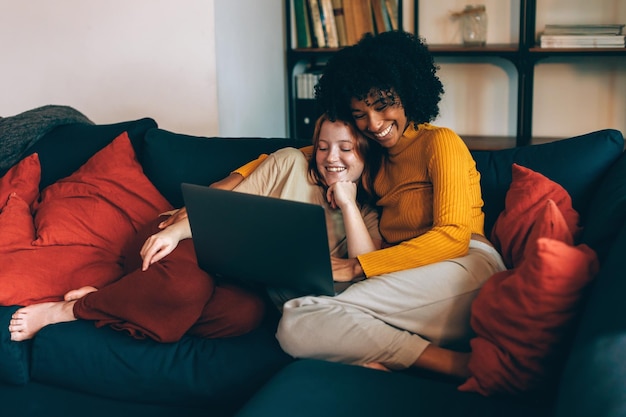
[[260, 240]]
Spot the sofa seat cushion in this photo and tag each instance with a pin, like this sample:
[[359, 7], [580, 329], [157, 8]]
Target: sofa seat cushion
[[192, 372], [312, 388]]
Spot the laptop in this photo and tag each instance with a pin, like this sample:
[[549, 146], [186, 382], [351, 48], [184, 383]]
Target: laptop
[[278, 243]]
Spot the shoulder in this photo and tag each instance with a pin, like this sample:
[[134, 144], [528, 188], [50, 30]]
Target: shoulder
[[289, 157], [440, 139], [289, 154]]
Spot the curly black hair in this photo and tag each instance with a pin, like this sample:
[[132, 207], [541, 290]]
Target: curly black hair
[[396, 65]]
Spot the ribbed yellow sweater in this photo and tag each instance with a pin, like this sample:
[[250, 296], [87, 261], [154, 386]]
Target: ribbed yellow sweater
[[431, 201], [430, 198]]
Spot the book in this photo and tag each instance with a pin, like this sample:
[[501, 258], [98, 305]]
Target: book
[[392, 12], [381, 20], [328, 21], [359, 19], [582, 41], [316, 21], [340, 22], [584, 29], [303, 31]]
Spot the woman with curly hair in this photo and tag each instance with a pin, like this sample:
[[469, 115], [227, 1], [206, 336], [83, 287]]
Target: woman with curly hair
[[414, 302]]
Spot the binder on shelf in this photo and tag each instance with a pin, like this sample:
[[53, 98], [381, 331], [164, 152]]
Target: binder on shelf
[[307, 112]]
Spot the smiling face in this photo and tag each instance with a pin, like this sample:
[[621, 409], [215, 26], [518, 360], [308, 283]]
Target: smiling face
[[337, 157], [380, 117]]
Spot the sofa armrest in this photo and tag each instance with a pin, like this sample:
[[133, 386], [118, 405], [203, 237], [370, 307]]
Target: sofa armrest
[[592, 383]]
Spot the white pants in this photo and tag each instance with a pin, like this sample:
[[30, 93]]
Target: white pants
[[391, 318]]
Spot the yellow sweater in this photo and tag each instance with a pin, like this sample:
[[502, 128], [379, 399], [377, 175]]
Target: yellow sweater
[[430, 198]]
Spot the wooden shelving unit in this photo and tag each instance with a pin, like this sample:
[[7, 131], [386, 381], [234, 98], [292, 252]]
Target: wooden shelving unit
[[524, 55]]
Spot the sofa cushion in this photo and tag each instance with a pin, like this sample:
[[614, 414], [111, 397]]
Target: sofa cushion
[[171, 158], [14, 356], [23, 179], [578, 164], [82, 223], [607, 210], [192, 372], [524, 317], [65, 148], [525, 201], [103, 204], [313, 388]]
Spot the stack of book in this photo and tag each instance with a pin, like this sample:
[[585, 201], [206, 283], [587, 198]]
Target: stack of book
[[338, 23], [583, 36]]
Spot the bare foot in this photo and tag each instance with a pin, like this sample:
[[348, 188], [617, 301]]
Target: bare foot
[[376, 365], [27, 321], [79, 293]]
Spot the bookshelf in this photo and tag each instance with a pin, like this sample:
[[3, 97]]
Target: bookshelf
[[524, 55], [302, 112]]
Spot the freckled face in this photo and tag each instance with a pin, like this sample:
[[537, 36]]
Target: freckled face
[[336, 157], [379, 120]]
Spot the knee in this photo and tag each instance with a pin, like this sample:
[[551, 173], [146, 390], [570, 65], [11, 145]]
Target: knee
[[250, 314], [295, 335]]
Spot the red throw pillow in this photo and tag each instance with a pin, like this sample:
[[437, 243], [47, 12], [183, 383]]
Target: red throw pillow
[[23, 179], [523, 316], [102, 204], [526, 196], [16, 224], [82, 223]]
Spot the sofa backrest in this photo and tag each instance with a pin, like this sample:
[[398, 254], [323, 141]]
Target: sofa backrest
[[170, 159], [578, 164]]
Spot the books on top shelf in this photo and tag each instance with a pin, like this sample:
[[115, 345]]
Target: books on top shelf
[[338, 23], [583, 36]]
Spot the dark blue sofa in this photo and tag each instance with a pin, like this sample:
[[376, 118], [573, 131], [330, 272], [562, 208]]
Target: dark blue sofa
[[76, 369]]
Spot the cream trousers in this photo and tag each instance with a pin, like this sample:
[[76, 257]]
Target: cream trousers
[[391, 318]]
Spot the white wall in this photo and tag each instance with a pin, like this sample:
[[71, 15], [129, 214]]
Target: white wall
[[251, 67], [118, 59], [113, 60]]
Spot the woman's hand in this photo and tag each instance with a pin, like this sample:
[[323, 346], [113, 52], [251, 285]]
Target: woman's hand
[[341, 194], [161, 244], [174, 217], [345, 270]]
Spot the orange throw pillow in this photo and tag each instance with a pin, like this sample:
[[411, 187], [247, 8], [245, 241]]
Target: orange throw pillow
[[526, 196], [522, 317]]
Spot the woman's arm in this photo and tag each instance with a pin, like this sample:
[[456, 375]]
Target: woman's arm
[[343, 195]]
